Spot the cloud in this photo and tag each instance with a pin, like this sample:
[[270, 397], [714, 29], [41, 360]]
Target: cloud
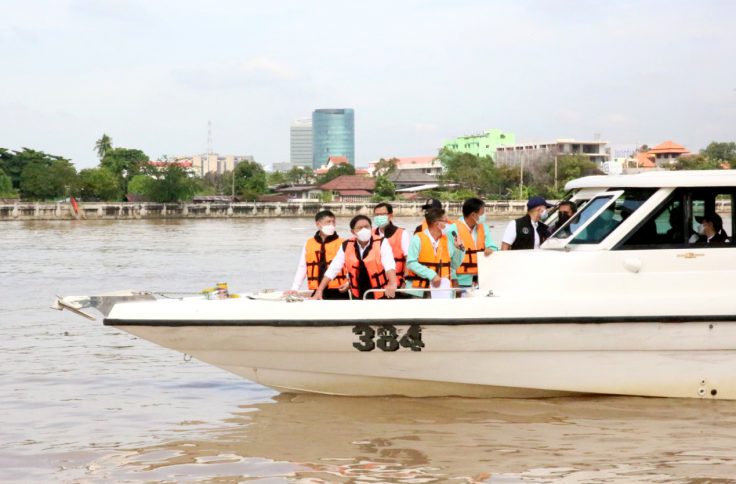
[[255, 72]]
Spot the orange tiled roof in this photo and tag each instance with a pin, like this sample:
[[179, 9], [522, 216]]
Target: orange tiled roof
[[338, 160], [645, 160], [350, 182], [669, 147]]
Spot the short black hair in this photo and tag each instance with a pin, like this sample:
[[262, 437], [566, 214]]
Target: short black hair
[[386, 205], [433, 215], [573, 206], [472, 205], [357, 219], [322, 214]]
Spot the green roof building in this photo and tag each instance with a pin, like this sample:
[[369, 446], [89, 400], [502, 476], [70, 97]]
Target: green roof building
[[481, 144]]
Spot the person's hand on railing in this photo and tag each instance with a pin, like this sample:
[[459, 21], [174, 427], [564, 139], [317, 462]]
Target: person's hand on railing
[[436, 281], [317, 295], [390, 291], [344, 287]]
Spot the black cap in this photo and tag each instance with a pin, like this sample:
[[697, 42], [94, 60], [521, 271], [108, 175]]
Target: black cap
[[432, 203], [537, 202]]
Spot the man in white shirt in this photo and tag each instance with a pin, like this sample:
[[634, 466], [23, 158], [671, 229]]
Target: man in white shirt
[[367, 261], [527, 232]]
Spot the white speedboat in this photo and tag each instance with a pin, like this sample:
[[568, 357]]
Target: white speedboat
[[619, 301]]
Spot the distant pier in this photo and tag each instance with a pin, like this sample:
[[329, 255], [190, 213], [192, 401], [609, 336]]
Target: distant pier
[[134, 211]]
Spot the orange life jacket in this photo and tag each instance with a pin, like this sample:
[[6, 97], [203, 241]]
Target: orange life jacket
[[373, 266], [470, 262], [399, 255], [438, 262], [318, 256]]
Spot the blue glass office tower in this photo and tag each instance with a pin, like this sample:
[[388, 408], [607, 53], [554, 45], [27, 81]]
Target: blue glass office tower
[[333, 134]]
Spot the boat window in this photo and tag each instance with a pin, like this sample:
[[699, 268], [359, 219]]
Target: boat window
[[610, 218], [583, 215], [675, 223]]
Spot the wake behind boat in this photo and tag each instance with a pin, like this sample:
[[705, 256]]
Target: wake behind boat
[[623, 299]]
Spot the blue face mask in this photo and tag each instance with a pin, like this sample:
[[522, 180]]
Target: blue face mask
[[482, 219], [380, 221]]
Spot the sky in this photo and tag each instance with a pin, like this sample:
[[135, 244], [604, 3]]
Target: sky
[[152, 73]]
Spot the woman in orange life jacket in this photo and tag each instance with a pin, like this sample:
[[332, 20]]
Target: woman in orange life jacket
[[398, 238], [368, 262], [317, 254]]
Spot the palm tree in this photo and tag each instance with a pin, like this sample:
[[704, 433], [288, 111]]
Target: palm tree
[[103, 145]]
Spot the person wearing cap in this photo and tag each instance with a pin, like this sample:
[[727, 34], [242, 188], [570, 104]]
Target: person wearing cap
[[433, 257], [429, 204], [527, 232], [710, 231]]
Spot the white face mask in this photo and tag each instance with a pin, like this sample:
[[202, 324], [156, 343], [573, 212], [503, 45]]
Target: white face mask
[[482, 219], [328, 229], [700, 230], [364, 234], [543, 215]]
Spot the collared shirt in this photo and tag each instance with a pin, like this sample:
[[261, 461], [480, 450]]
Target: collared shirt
[[387, 259], [509, 235], [467, 279], [301, 268], [412, 259]]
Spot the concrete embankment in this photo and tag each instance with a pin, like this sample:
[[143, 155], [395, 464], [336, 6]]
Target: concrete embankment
[[133, 211]]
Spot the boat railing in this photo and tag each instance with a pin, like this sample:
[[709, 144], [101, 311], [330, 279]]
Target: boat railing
[[454, 290]]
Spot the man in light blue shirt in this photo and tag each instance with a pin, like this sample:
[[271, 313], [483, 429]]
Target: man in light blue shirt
[[433, 255], [475, 235]]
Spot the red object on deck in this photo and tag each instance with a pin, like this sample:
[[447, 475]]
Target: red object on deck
[[74, 203]]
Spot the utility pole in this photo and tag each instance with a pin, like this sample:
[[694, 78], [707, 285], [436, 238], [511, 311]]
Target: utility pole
[[555, 172], [521, 178]]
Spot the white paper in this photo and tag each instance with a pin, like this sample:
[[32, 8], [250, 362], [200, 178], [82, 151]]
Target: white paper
[[444, 284]]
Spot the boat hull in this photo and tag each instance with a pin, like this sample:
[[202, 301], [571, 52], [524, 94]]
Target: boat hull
[[682, 359]]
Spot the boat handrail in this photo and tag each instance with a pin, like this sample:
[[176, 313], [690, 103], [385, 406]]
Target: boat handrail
[[453, 289]]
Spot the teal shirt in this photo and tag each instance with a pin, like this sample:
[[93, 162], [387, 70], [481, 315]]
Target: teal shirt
[[466, 280], [412, 261]]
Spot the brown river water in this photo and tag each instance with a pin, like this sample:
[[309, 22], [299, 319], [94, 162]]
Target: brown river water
[[81, 402]]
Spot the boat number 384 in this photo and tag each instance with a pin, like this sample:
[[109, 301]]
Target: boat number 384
[[387, 338]]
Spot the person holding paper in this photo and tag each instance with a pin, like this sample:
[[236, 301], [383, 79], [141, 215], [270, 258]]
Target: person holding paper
[[433, 257]]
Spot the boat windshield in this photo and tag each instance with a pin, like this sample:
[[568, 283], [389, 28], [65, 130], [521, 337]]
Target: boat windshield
[[602, 215]]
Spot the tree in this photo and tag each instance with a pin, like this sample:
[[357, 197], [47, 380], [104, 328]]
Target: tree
[[569, 167], [124, 163], [276, 178], [47, 180], [250, 180], [385, 167], [465, 170], [141, 184], [721, 152], [299, 175], [697, 162], [6, 186], [171, 184], [335, 172], [14, 162], [216, 183], [103, 146], [385, 189], [98, 184]]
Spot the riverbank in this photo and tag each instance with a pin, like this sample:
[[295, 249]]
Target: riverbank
[[134, 211]]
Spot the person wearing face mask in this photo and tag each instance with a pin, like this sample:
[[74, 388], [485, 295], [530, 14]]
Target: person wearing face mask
[[565, 210], [432, 256], [429, 204], [528, 232], [710, 231], [475, 236], [317, 254], [367, 260], [398, 238]]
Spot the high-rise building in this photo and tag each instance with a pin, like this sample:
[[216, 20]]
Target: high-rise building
[[301, 142], [333, 134]]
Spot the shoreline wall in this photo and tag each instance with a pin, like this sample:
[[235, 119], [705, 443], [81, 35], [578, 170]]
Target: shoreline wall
[[136, 211]]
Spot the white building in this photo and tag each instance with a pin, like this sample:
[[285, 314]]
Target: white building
[[596, 151], [301, 142], [214, 163], [428, 165]]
